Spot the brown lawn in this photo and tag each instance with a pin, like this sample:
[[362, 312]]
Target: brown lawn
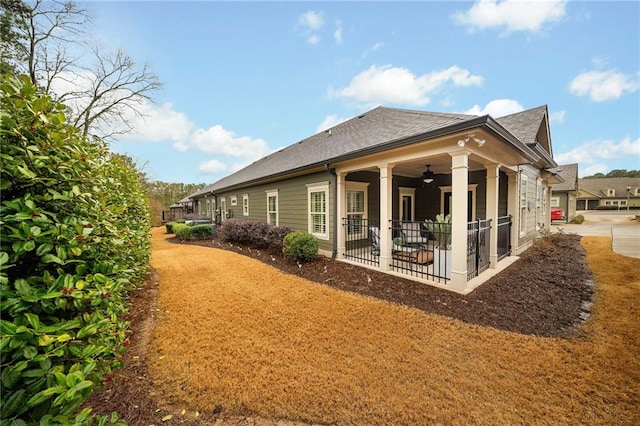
[[238, 336]]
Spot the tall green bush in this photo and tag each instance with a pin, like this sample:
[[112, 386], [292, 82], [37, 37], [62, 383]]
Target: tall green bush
[[74, 240], [300, 246]]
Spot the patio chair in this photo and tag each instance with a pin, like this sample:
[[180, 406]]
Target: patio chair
[[412, 234]]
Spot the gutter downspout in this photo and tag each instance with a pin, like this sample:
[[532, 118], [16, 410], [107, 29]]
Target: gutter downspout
[[332, 172]]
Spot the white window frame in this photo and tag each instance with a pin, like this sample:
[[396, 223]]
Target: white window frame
[[273, 193], [358, 187], [523, 204], [245, 204], [315, 188], [411, 193], [555, 202], [223, 209], [471, 187], [234, 200]]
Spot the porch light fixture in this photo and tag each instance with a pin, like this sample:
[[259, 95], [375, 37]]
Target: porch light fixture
[[463, 142], [427, 175]]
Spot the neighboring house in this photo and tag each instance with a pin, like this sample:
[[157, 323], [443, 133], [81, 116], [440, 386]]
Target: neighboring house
[[563, 195], [365, 187], [608, 193], [178, 210]]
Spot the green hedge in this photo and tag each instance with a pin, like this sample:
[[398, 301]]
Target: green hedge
[[193, 232], [300, 246], [74, 241]]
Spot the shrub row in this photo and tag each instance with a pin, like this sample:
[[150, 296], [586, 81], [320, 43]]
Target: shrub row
[[74, 241], [254, 234], [193, 232]]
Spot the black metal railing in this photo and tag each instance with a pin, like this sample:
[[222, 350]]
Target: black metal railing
[[478, 247], [504, 236], [362, 240], [421, 249]]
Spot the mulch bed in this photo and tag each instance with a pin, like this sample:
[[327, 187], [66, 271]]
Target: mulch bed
[[547, 292]]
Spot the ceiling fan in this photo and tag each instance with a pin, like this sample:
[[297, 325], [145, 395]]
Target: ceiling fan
[[427, 175]]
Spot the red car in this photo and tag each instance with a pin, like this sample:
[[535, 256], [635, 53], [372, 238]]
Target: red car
[[557, 214]]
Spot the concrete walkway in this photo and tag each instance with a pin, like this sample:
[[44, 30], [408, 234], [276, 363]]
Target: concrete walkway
[[624, 231]]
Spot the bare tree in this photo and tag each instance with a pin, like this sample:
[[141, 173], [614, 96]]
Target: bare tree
[[104, 90]]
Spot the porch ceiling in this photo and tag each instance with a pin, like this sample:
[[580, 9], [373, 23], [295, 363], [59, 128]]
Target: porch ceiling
[[439, 165]]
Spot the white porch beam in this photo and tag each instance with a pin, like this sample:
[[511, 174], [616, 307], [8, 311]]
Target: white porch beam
[[342, 212], [386, 214], [459, 210], [493, 191]]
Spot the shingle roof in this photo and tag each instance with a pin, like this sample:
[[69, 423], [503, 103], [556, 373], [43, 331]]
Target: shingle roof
[[372, 128], [568, 172], [599, 186], [525, 124], [377, 127]]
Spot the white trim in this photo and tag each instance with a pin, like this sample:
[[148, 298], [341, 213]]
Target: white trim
[[471, 187], [313, 188], [233, 200], [223, 209], [273, 193], [409, 192]]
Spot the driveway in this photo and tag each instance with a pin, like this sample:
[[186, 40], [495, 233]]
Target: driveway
[[621, 227]]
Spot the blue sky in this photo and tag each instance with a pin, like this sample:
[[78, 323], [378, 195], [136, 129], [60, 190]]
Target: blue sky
[[243, 79]]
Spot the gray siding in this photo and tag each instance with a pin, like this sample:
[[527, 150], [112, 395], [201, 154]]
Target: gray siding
[[293, 210]]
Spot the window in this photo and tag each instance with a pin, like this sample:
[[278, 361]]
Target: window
[[318, 199], [234, 201], [555, 201], [223, 208], [245, 204], [272, 207], [356, 208]]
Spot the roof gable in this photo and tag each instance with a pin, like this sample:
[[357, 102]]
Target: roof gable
[[530, 126]]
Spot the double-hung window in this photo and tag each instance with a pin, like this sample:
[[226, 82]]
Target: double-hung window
[[318, 203], [272, 208]]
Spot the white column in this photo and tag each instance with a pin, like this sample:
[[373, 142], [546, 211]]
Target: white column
[[459, 209], [513, 204], [342, 213], [386, 213], [493, 193]]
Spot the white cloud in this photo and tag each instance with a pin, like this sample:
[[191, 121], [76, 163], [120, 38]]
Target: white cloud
[[337, 34], [218, 140], [557, 117], [330, 121], [603, 85], [212, 167], [311, 20], [388, 84], [372, 49], [513, 15], [593, 152], [497, 108], [158, 123]]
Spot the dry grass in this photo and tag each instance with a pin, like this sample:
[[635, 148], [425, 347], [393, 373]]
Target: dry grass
[[236, 334]]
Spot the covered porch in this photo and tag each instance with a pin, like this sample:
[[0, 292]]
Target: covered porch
[[444, 224]]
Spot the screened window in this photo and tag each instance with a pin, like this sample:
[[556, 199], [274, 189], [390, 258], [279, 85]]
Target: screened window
[[318, 196], [272, 208]]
